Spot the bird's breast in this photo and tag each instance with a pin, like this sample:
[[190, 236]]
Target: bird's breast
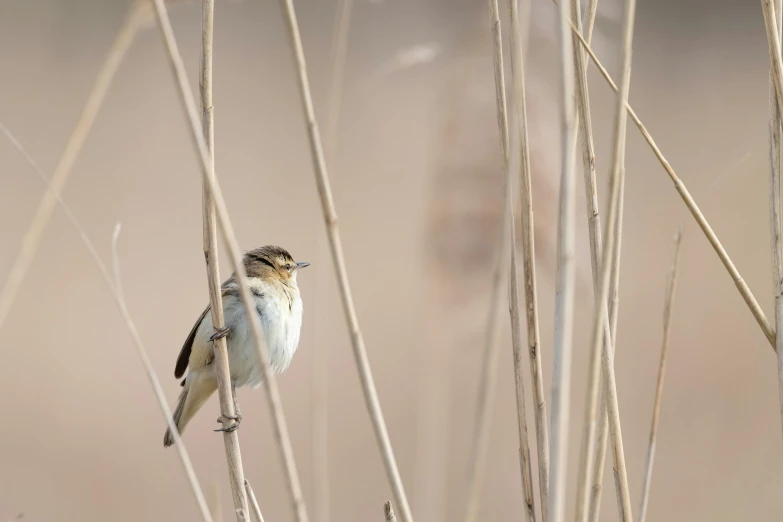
[[281, 318]]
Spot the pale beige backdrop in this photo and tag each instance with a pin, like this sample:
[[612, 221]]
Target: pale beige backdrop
[[82, 436]]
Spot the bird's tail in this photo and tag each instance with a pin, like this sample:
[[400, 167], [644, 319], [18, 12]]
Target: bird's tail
[[195, 392]]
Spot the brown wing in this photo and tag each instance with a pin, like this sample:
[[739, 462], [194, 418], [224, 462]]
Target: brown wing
[[183, 359], [184, 354]]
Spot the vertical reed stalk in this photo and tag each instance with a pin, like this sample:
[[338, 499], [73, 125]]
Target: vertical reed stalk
[[693, 208], [667, 323], [564, 287], [253, 502], [600, 318], [225, 391], [488, 374], [529, 274], [588, 462], [320, 360], [772, 17], [487, 384], [196, 133], [335, 243]]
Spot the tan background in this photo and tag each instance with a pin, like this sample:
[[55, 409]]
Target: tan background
[[82, 435]]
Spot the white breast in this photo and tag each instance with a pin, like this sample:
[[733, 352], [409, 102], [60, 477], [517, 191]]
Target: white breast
[[281, 320]]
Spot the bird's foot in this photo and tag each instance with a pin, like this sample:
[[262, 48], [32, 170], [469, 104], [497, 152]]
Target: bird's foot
[[219, 333], [228, 429]]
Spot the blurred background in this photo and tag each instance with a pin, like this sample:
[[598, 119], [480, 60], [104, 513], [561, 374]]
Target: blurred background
[[417, 183]]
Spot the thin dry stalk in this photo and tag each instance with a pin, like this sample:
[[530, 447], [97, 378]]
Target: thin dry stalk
[[740, 283], [592, 461], [320, 384], [516, 345], [585, 130], [595, 468], [587, 462], [776, 206], [564, 286], [591, 11], [226, 394], [667, 322], [253, 502], [529, 274], [115, 289], [488, 379], [32, 237], [273, 395], [598, 468], [600, 318], [588, 497], [389, 512], [159, 394], [774, 30], [215, 504], [333, 231], [339, 53]]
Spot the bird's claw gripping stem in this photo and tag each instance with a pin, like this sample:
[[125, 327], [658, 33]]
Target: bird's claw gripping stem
[[219, 333], [236, 418]]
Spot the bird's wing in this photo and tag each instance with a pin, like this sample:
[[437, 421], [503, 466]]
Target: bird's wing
[[228, 287], [184, 355]]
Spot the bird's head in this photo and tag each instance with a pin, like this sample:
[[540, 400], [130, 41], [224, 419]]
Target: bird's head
[[272, 262]]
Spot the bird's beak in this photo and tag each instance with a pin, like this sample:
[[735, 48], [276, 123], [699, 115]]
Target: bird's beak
[[302, 264]]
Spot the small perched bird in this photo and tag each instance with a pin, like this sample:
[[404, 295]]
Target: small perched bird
[[271, 274]]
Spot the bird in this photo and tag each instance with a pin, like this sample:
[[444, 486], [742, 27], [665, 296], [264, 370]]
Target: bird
[[271, 275]]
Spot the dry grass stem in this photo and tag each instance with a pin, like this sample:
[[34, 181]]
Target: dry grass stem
[[773, 40], [486, 387], [485, 398], [320, 384], [594, 447], [225, 392], [487, 384], [487, 378], [516, 344], [253, 502], [273, 395], [115, 288], [607, 260], [159, 394], [215, 504], [588, 487], [589, 20], [529, 274], [591, 492], [585, 130], [338, 55], [389, 512], [740, 283], [333, 232], [601, 442], [62, 171], [772, 19], [564, 285], [667, 321]]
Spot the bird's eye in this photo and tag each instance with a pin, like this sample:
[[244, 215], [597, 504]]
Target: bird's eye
[[288, 266]]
